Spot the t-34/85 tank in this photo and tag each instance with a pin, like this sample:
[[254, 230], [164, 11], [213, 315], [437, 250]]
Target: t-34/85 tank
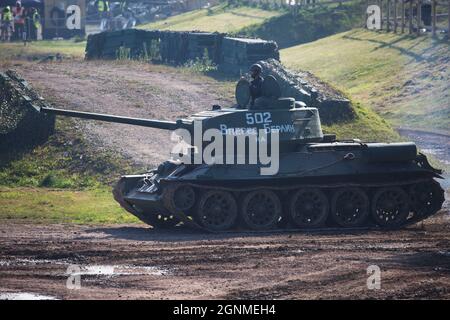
[[320, 182]]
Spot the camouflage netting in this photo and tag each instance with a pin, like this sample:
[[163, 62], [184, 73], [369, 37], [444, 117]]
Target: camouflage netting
[[21, 125], [303, 86]]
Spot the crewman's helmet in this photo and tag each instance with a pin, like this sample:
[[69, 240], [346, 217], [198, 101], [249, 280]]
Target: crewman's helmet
[[256, 68], [7, 8]]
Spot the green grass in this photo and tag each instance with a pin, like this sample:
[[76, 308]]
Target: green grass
[[219, 18], [404, 79], [43, 205], [64, 161], [62, 181], [307, 24], [367, 126], [68, 48]]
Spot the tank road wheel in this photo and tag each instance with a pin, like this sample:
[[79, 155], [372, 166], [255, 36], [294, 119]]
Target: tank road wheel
[[350, 207], [426, 198], [261, 209], [390, 207], [308, 208], [217, 210]]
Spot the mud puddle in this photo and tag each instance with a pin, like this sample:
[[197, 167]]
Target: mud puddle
[[89, 270], [115, 270], [28, 262], [25, 296]]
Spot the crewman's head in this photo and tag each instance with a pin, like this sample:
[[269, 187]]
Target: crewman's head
[[18, 4], [255, 70], [7, 8]]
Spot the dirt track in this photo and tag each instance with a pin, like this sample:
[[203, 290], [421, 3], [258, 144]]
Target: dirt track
[[127, 89], [414, 263]]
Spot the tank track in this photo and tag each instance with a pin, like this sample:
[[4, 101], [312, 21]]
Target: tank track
[[409, 201]]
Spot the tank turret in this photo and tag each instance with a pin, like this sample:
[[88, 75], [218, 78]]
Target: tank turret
[[294, 122]]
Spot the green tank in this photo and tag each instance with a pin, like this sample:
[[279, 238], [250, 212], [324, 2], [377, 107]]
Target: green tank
[[320, 182]]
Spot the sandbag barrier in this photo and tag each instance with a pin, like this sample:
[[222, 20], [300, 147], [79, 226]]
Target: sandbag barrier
[[240, 53], [21, 123], [178, 47], [105, 45]]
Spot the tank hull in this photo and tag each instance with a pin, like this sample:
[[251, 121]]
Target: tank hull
[[386, 180]]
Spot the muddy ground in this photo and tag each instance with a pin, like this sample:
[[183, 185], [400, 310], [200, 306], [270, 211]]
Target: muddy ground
[[150, 264], [135, 261]]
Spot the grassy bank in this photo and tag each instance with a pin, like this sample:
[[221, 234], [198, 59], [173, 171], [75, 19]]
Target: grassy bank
[[64, 161], [44, 205], [62, 180], [405, 79], [220, 18], [307, 24], [366, 126], [39, 49]]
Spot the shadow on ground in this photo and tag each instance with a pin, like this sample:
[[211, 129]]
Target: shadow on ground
[[180, 233]]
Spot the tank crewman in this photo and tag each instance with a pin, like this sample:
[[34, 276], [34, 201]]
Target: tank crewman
[[103, 8], [19, 20], [7, 24], [256, 83], [103, 14]]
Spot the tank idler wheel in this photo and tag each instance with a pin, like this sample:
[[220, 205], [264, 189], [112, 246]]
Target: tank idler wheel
[[426, 198], [179, 197], [350, 207], [390, 207], [184, 197], [216, 210], [261, 210], [308, 208]]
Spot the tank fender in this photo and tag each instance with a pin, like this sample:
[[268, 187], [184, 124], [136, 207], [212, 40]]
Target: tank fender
[[422, 161], [391, 152]]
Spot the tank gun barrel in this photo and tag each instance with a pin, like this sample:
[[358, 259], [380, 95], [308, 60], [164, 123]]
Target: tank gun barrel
[[159, 124]]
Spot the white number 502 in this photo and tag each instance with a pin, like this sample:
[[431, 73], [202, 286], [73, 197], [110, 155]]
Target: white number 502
[[258, 117]]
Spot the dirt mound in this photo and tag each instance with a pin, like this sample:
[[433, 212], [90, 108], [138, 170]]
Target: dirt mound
[[304, 86], [21, 125]]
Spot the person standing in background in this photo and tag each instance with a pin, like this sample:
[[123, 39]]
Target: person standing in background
[[19, 21], [34, 23], [103, 13], [7, 24]]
